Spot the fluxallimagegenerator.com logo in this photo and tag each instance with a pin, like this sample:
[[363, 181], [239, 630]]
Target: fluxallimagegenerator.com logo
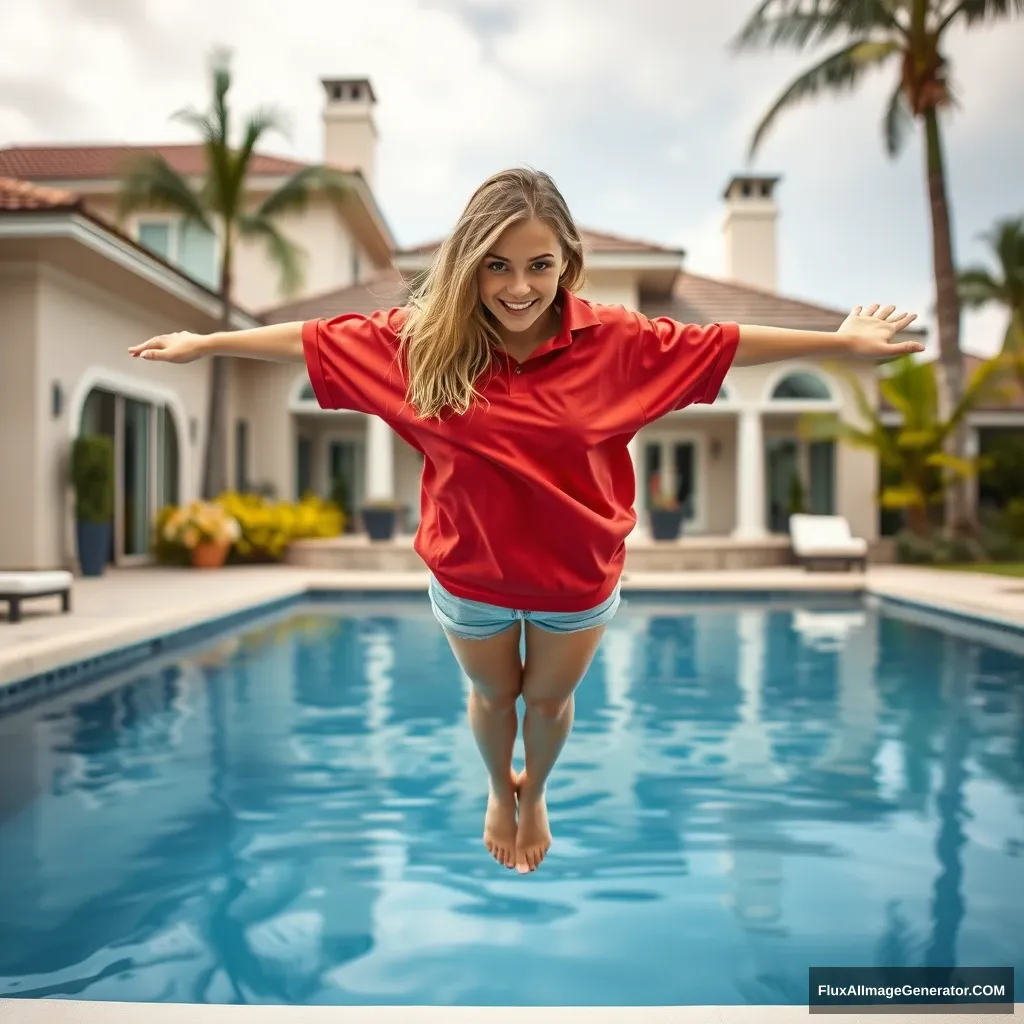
[[923, 989]]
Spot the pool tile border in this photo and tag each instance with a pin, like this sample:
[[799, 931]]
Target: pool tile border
[[79, 671]]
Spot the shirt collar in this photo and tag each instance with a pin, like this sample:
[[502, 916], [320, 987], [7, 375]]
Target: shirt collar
[[576, 315]]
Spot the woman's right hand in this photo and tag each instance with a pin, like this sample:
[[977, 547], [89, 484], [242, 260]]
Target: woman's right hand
[[180, 347]]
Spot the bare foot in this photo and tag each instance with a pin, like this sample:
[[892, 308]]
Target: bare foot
[[500, 823], [533, 837]]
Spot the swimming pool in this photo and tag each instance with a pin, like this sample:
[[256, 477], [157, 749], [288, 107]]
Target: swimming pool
[[291, 813]]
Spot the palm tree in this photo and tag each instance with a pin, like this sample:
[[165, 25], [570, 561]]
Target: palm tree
[[220, 205], [979, 288], [913, 456], [910, 36]]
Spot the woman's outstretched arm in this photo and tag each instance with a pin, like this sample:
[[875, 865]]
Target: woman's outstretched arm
[[281, 343], [866, 333]]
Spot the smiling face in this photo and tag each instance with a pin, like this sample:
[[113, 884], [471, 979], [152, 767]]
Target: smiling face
[[518, 281]]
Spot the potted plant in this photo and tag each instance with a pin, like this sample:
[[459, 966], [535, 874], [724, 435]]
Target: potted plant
[[380, 516], [205, 530], [666, 514], [92, 477]]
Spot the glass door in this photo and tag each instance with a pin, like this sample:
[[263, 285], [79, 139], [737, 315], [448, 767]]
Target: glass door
[[346, 475], [136, 485], [146, 465], [781, 465]]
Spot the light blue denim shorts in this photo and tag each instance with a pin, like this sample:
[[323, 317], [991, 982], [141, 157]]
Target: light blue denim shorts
[[475, 620]]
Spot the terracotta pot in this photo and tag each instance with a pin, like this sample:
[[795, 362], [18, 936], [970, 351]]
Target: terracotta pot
[[210, 555]]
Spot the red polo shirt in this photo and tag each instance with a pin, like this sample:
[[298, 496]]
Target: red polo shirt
[[527, 498]]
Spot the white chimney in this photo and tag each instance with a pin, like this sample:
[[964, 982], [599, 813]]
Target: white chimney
[[750, 219], [350, 136]]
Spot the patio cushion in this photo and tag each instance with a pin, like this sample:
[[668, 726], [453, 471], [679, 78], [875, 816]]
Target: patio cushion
[[24, 583], [824, 536]]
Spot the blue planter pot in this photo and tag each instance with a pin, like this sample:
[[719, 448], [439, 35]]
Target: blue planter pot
[[93, 547], [666, 523], [380, 522]]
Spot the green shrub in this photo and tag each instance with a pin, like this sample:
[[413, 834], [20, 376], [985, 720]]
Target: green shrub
[[92, 476]]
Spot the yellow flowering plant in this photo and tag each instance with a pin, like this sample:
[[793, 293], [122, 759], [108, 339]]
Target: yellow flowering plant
[[200, 522], [263, 528]]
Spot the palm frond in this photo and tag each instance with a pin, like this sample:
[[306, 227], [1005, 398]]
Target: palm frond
[[802, 23], [901, 496], [151, 183], [1007, 241], [985, 382], [839, 71], [294, 193], [975, 11], [899, 120], [956, 466], [284, 254], [977, 288]]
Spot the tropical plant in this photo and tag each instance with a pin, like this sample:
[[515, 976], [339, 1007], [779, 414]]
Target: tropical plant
[[221, 204], [980, 288], [910, 36], [912, 456]]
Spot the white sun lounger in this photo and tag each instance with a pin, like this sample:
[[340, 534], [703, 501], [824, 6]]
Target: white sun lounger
[[818, 539], [15, 587]]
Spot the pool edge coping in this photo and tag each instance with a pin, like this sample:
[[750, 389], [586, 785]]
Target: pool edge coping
[[48, 669]]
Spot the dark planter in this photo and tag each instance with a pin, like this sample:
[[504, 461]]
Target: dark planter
[[666, 523], [93, 547], [379, 522]]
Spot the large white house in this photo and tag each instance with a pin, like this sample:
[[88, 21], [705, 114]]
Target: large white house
[[77, 288]]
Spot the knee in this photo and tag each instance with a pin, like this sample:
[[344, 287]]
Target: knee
[[547, 707], [495, 702]]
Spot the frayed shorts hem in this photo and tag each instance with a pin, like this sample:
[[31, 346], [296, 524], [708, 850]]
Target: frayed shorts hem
[[475, 620]]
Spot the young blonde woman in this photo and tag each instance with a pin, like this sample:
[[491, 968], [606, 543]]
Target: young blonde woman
[[522, 398]]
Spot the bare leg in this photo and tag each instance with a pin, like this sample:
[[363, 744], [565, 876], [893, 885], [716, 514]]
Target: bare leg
[[496, 672], [555, 664]]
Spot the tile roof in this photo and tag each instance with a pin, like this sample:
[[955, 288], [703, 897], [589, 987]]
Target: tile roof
[[593, 241], [382, 291], [56, 163], [698, 299], [24, 195]]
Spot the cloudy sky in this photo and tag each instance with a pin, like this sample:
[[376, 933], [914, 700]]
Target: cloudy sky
[[636, 107]]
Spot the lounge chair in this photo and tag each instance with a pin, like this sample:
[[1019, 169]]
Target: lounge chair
[[15, 587], [826, 539]]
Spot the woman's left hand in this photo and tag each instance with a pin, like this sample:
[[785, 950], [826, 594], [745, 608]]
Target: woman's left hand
[[868, 333]]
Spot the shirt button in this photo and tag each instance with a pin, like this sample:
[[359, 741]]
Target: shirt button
[[519, 369]]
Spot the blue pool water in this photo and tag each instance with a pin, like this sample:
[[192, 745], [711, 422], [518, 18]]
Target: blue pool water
[[292, 814]]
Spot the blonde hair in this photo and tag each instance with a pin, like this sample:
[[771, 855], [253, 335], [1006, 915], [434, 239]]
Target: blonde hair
[[447, 334]]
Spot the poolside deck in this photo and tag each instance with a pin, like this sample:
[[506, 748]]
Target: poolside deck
[[130, 605]]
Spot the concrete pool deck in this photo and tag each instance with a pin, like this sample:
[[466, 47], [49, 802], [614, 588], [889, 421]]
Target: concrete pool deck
[[64, 1012], [127, 606]]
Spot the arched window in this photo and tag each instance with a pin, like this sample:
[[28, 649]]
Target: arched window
[[802, 386]]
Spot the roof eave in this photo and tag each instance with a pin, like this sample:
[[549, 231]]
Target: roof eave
[[76, 225]]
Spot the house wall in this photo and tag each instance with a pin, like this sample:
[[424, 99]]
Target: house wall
[[329, 248], [611, 287], [263, 391], [20, 493]]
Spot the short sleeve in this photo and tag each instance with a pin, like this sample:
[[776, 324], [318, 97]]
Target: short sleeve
[[673, 365], [352, 361]]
